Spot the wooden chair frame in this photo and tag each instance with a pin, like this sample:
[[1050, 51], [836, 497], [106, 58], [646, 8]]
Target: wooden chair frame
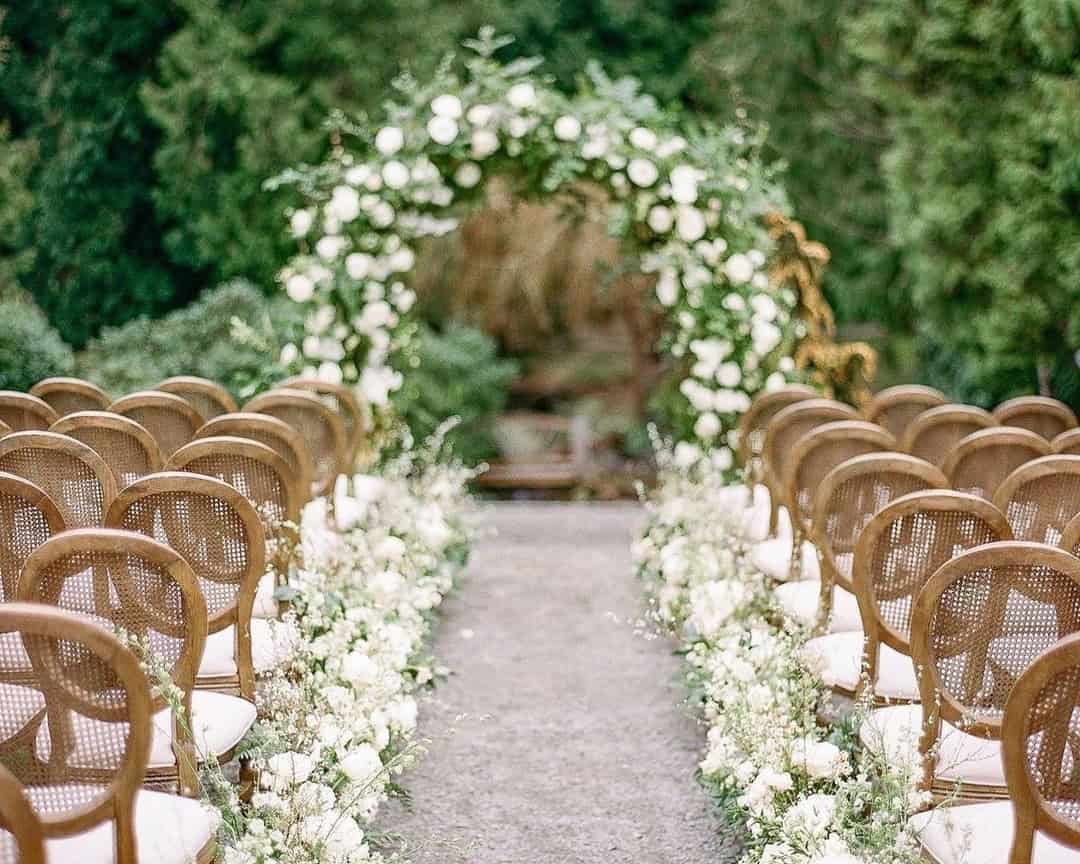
[[1036, 407], [158, 400], [752, 424], [1031, 472], [345, 404], [73, 424], [907, 401], [1066, 444], [11, 565], [20, 820], [199, 392], [933, 419], [24, 406], [92, 397], [998, 436]]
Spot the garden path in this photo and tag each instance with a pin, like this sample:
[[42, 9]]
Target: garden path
[[562, 735]]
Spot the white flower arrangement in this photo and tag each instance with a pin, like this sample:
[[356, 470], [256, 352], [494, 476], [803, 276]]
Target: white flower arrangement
[[806, 794]]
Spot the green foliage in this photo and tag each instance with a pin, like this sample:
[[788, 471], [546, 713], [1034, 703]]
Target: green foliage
[[457, 372], [30, 349], [232, 335]]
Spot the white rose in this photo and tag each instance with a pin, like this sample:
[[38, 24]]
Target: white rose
[[299, 288], [707, 426], [446, 106], [775, 381], [330, 372], [722, 458], [764, 306], [395, 174], [358, 669], [377, 383], [567, 128], [289, 769], [382, 215], [684, 183], [389, 140], [358, 265], [729, 375], [344, 204], [390, 548], [300, 222], [484, 143], [690, 223], [522, 95], [518, 127], [643, 139], [660, 219], [480, 115], [362, 765], [443, 130], [358, 175], [642, 172], [594, 148], [739, 269], [686, 454], [467, 175], [667, 287], [329, 247], [289, 354]]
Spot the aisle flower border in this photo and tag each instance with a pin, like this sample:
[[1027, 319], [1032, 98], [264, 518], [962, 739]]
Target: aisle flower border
[[686, 198], [805, 792]]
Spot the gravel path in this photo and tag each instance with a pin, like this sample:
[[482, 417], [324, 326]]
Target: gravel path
[[562, 735]]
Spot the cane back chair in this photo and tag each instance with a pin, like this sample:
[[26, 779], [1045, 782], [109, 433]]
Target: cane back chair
[[127, 448], [1041, 414], [207, 397], [979, 462], [21, 839], [895, 407], [933, 433], [28, 518], [1039, 497], [752, 425], [1067, 443], [344, 403], [68, 395], [21, 412], [169, 418]]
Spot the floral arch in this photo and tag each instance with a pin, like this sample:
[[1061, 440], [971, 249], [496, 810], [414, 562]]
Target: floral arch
[[688, 201]]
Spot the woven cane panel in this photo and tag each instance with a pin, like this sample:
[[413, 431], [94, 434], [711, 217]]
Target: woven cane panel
[[897, 417], [207, 531], [122, 452], [64, 760], [990, 624], [1051, 740], [71, 484], [255, 480], [911, 550], [9, 848], [317, 433], [1040, 509], [23, 420], [171, 429], [23, 527], [1040, 422], [934, 442], [203, 402], [982, 470], [784, 438], [69, 401], [819, 462], [277, 444]]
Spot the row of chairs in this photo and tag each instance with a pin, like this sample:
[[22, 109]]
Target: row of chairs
[[153, 526], [948, 598]]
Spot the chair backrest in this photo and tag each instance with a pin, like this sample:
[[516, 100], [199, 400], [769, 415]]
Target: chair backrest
[[22, 412], [169, 418], [219, 533], [1041, 414], [1039, 497], [1067, 443], [4, 429], [321, 428], [126, 446], [75, 780], [21, 838], [1070, 537], [341, 400], [979, 462], [1038, 735], [28, 518], [207, 397], [895, 407], [849, 497], [752, 424], [276, 434], [904, 545], [787, 426], [68, 395], [933, 433], [980, 621], [70, 473], [820, 450], [263, 477]]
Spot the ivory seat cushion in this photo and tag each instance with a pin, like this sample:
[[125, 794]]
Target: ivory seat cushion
[[981, 834], [219, 657], [837, 660], [773, 558], [755, 517], [168, 830], [265, 604], [894, 732], [799, 601]]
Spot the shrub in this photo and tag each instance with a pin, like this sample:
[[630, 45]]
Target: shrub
[[30, 349]]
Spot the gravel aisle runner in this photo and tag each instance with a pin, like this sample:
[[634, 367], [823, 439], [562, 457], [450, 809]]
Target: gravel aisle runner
[[561, 736]]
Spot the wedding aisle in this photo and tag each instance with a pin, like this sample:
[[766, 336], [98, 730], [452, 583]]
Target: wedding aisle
[[559, 736]]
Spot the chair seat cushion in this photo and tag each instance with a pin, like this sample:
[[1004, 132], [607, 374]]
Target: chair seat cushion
[[799, 602], [837, 660], [981, 834], [168, 830], [773, 558], [755, 519], [894, 732], [265, 604], [219, 658]]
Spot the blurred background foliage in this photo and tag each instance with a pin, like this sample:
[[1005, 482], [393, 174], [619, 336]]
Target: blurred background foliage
[[932, 145]]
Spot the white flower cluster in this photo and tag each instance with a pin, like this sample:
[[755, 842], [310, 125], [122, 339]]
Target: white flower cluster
[[690, 211], [339, 716], [807, 795]]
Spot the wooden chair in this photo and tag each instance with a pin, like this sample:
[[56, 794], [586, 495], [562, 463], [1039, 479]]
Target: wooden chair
[[4, 429], [220, 535], [897, 552], [1039, 497], [68, 395], [845, 502], [85, 788], [127, 447], [21, 412], [342, 400], [979, 462], [979, 622], [787, 426], [1067, 443], [28, 518], [936, 431], [1041, 414], [276, 434], [207, 397], [21, 837], [146, 589], [321, 429], [752, 425], [895, 407], [169, 418], [76, 479]]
